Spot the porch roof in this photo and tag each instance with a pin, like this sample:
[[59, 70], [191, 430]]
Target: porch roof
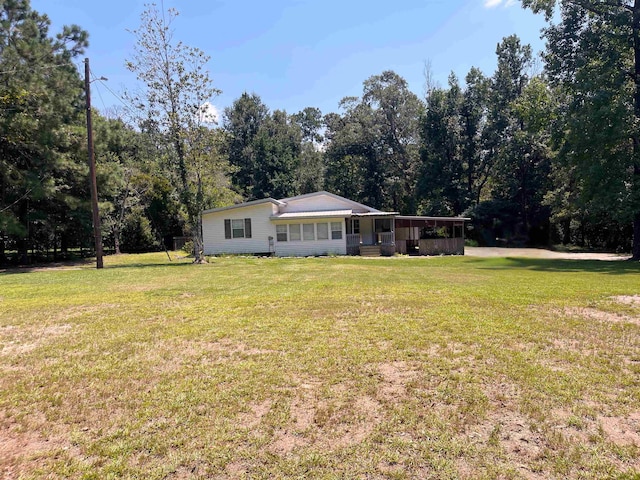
[[319, 214], [375, 214], [443, 219]]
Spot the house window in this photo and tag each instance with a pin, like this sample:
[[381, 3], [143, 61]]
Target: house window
[[308, 232], [355, 226], [237, 228], [383, 225], [281, 233], [294, 232], [323, 231], [336, 230]]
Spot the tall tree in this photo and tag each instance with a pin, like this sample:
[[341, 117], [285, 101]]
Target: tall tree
[[177, 87], [40, 105], [594, 56], [477, 164], [441, 182], [277, 154], [242, 122], [311, 169], [352, 154], [376, 143], [397, 111]]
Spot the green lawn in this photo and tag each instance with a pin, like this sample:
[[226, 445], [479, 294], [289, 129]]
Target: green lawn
[[398, 368]]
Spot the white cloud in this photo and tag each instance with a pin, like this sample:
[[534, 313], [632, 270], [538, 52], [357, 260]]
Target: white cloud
[[209, 113], [497, 3]]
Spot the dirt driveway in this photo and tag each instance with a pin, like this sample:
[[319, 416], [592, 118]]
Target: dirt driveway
[[539, 253]]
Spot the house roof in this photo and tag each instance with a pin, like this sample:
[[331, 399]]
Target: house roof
[[332, 195], [242, 205], [319, 214]]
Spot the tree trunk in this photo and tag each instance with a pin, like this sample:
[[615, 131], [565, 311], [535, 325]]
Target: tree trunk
[[636, 141], [3, 257], [566, 231], [116, 240], [636, 238]]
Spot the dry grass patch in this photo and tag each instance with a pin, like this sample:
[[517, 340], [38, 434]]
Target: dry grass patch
[[442, 368], [601, 315], [18, 340]]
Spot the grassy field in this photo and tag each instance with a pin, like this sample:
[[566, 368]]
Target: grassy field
[[397, 368]]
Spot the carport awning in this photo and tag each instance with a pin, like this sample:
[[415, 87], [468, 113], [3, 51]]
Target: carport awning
[[444, 219], [376, 214]]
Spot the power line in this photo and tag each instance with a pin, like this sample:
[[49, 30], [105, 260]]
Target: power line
[[114, 94], [99, 94]]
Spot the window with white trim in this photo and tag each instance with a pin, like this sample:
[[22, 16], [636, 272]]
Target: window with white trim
[[308, 232], [281, 233], [323, 231], [294, 232], [237, 228], [336, 230]]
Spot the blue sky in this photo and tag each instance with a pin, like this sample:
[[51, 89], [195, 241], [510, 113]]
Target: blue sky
[[301, 53]]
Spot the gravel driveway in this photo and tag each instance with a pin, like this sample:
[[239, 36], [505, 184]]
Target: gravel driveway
[[539, 253]]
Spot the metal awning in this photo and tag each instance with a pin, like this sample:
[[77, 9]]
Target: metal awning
[[443, 219], [375, 214], [314, 215]]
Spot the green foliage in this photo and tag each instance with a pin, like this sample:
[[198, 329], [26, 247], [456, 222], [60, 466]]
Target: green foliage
[[177, 87], [592, 59], [242, 124], [137, 233], [42, 172], [373, 149]]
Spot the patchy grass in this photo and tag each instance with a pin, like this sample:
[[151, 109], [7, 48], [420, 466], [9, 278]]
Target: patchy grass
[[331, 367]]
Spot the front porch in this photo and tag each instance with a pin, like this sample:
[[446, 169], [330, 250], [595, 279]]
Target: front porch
[[371, 235], [385, 235]]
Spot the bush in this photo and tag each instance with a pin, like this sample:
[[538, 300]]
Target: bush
[[188, 247]]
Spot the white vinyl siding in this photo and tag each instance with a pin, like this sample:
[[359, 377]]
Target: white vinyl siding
[[322, 202], [213, 230]]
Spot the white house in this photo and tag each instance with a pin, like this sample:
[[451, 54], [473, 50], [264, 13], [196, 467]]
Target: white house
[[319, 223]]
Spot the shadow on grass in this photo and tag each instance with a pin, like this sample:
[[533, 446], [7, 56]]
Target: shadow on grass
[[615, 267], [84, 265], [149, 265]]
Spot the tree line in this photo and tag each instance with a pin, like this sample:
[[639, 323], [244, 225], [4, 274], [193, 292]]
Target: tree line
[[533, 156]]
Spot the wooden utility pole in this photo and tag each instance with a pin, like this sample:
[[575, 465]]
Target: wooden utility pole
[[92, 169]]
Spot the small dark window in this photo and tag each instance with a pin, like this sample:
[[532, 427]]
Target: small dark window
[[227, 228]]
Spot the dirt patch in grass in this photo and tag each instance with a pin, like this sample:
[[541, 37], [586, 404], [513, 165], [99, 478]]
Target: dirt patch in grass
[[16, 449], [19, 340], [256, 412], [601, 315], [628, 299], [622, 430], [326, 419], [395, 378]]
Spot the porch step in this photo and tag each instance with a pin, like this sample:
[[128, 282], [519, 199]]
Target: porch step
[[369, 250]]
